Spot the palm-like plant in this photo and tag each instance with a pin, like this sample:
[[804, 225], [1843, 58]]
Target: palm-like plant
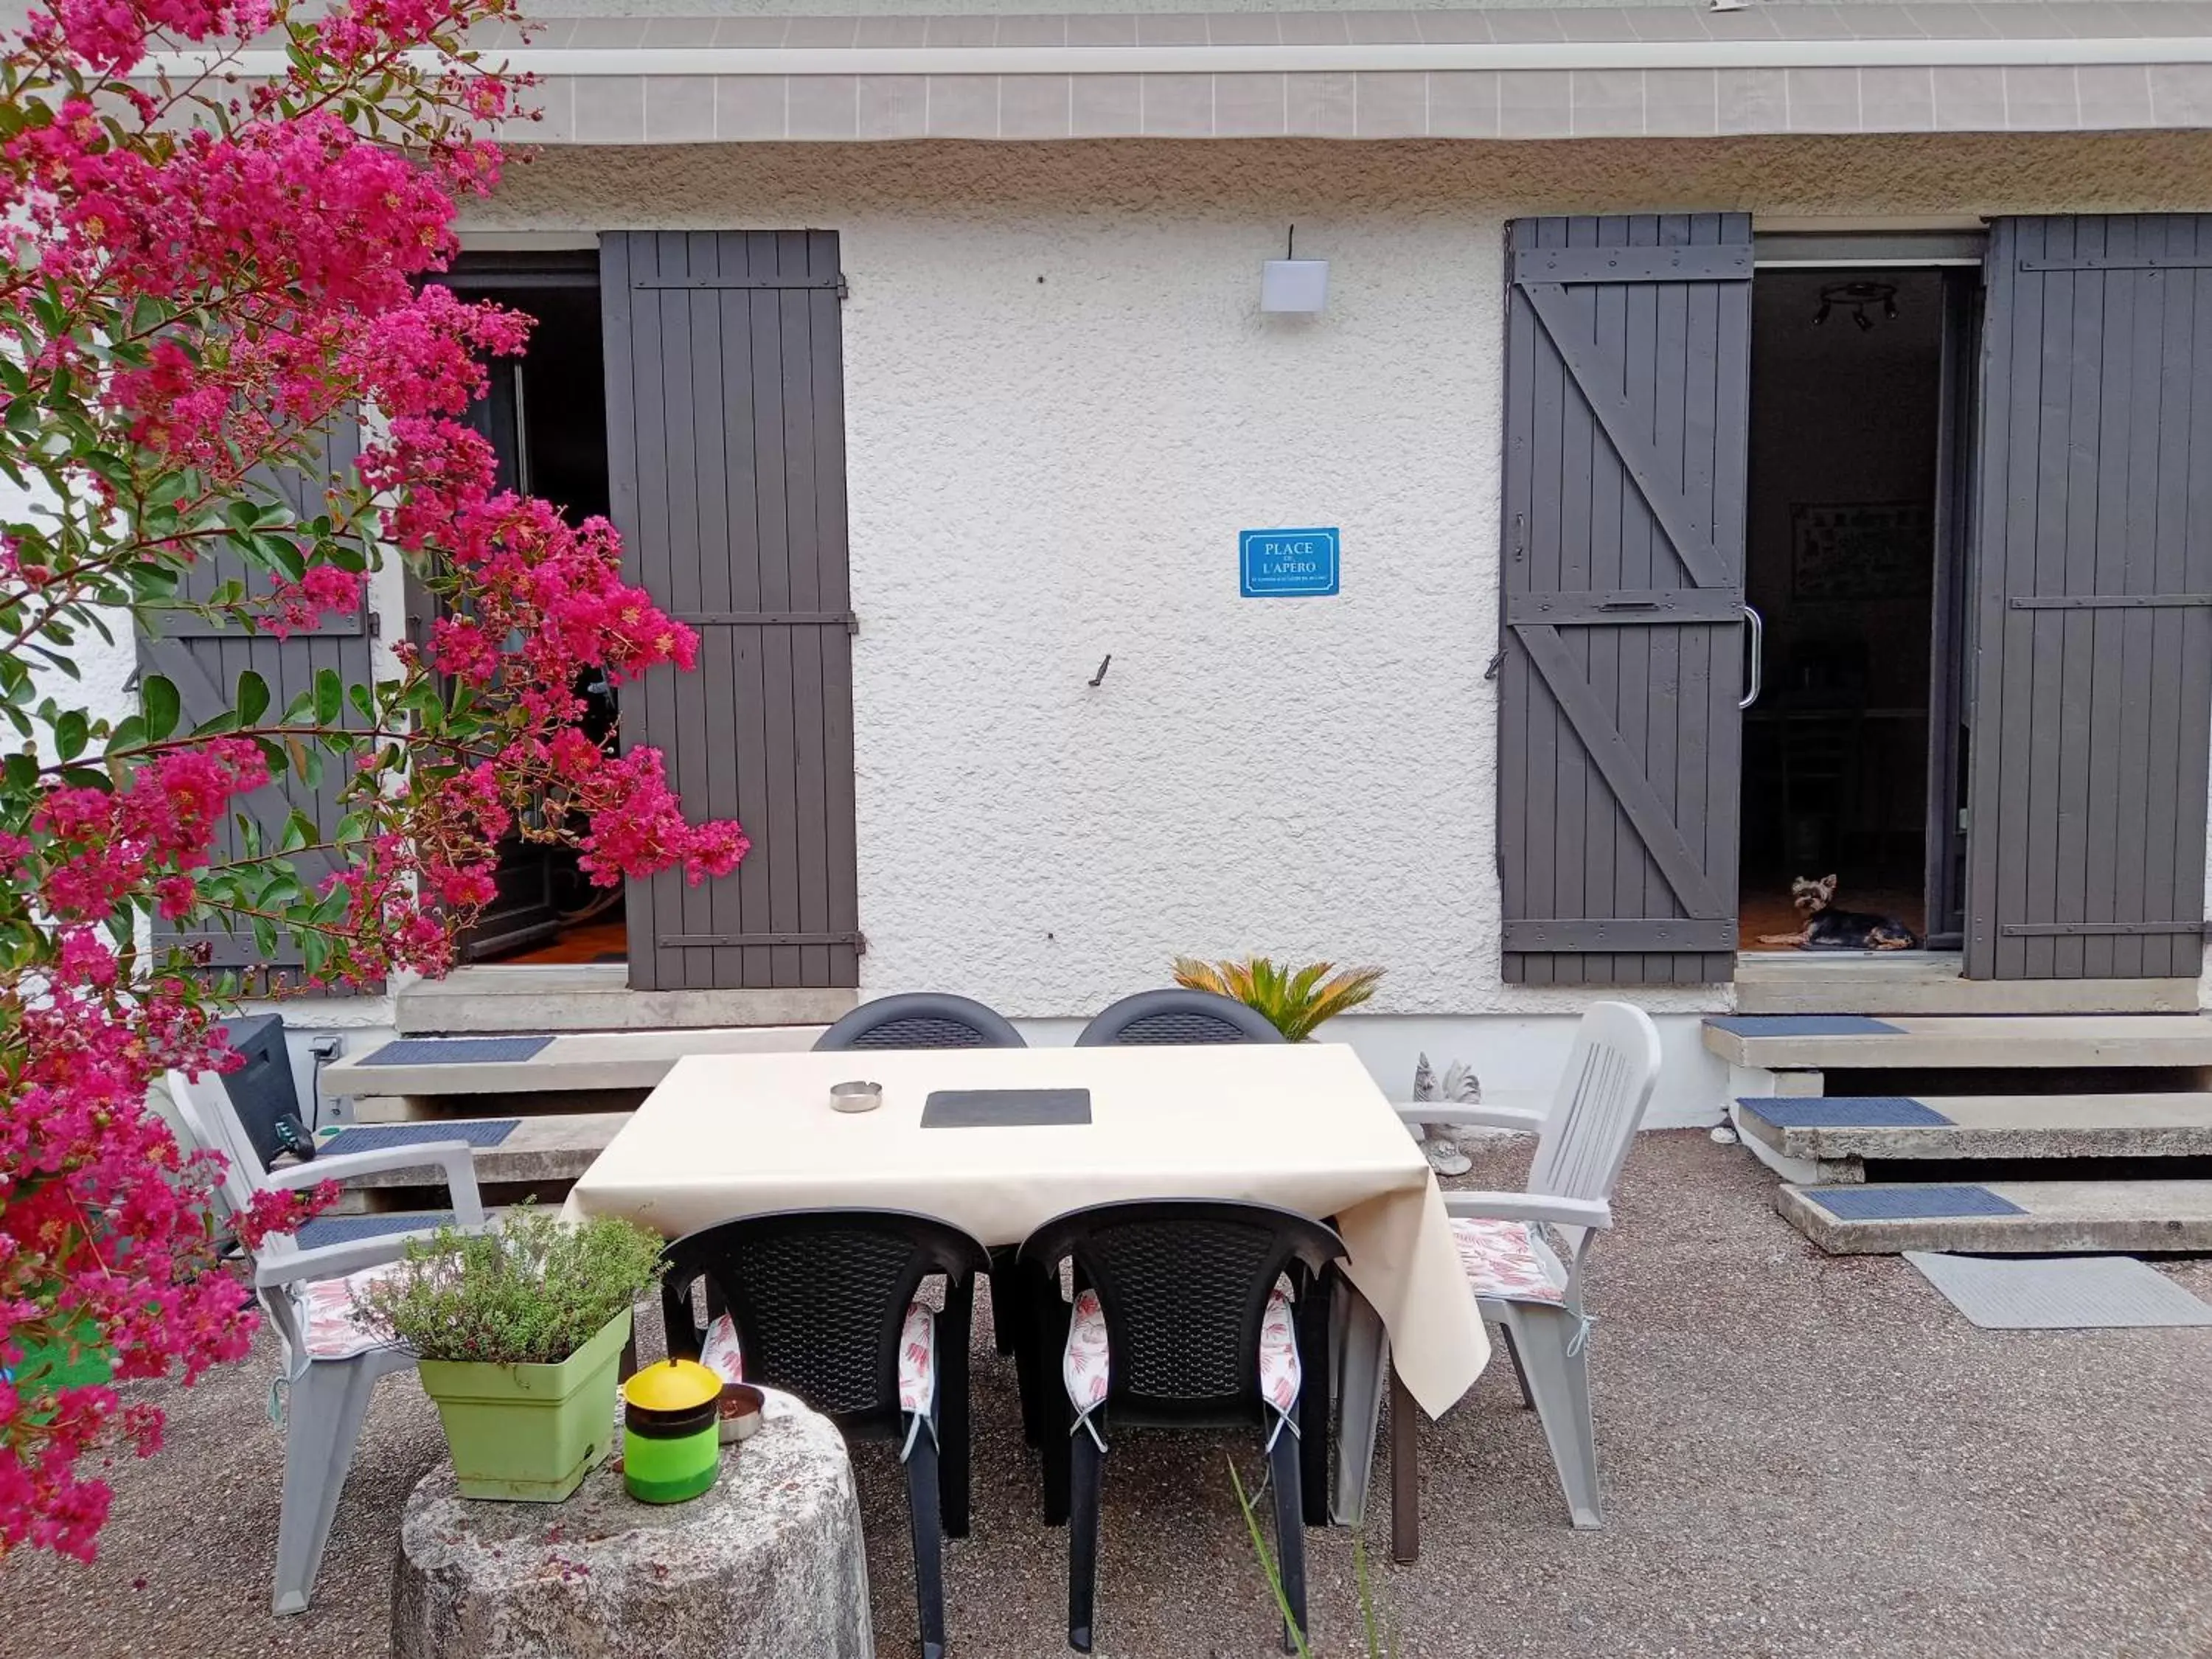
[[1293, 1000]]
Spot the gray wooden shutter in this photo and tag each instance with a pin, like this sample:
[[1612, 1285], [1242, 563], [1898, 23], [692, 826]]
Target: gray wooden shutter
[[1627, 387], [203, 659], [726, 439], [2092, 552]]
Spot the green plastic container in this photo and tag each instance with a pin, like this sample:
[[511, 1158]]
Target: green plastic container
[[530, 1433], [672, 1438]]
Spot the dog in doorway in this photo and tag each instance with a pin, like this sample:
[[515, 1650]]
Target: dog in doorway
[[1827, 928]]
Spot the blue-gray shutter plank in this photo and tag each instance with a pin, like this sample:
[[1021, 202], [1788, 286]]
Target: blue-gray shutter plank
[[725, 450], [2093, 571], [204, 658], [1626, 428]]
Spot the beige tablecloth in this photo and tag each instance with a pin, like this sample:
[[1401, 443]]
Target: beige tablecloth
[[1302, 1126]]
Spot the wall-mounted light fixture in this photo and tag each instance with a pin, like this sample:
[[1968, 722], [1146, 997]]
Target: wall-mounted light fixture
[[1294, 285]]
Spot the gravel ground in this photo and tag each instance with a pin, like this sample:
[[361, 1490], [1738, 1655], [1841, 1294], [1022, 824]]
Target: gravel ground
[[1804, 1456]]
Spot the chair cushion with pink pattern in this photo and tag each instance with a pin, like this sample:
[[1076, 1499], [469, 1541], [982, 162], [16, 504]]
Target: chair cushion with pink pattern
[[326, 1316], [1084, 1362], [1503, 1259]]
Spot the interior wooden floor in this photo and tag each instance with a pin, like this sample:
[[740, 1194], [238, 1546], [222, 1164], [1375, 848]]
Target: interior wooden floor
[[604, 939]]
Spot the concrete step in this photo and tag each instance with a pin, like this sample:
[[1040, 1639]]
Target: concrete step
[[525, 1064], [552, 1148], [1928, 983], [1839, 1134], [2004, 1218], [1783, 1042], [593, 997]]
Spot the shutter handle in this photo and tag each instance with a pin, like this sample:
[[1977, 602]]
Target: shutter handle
[[1757, 624]]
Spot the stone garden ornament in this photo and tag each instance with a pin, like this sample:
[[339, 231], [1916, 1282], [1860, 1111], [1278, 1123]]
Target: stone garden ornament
[[1459, 1087]]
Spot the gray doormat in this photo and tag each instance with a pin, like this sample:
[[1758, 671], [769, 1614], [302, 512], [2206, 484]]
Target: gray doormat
[[1843, 1111], [348, 1229], [474, 1051], [1762, 1026], [377, 1137], [1916, 1200], [2060, 1293]]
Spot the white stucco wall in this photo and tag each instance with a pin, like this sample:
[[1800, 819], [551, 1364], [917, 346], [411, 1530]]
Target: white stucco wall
[[1062, 404]]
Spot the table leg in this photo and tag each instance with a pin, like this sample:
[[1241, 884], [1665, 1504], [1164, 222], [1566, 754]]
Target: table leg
[[1405, 1473], [1358, 1351]]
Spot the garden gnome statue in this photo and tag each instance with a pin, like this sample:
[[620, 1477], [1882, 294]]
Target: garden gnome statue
[[1440, 1141]]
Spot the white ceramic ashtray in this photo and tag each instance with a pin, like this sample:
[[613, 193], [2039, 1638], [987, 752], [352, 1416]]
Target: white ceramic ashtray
[[856, 1097]]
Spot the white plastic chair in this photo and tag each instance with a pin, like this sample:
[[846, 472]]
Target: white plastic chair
[[1525, 1287], [329, 1366]]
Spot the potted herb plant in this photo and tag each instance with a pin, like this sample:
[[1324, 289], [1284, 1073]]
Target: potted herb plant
[[1294, 1000], [520, 1331]]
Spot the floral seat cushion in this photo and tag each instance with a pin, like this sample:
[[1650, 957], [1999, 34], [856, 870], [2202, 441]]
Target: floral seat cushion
[[917, 1370], [1504, 1259], [1085, 1361], [327, 1324]]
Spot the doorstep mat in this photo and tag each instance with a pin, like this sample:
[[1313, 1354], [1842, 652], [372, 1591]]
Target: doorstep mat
[[1928, 1201], [983, 1109], [467, 1051], [377, 1137], [2059, 1293], [346, 1229], [1842, 1111], [1765, 1025]]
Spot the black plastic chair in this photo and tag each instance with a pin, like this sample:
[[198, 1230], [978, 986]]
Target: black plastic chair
[[921, 1020], [1183, 1285], [819, 1299], [937, 1019], [1175, 1015]]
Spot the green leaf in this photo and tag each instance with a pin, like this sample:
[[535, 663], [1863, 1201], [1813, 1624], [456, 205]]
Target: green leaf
[[329, 696], [300, 829], [163, 705], [365, 705], [71, 732], [252, 698]]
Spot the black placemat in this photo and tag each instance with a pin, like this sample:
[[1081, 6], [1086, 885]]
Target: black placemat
[[985, 1108]]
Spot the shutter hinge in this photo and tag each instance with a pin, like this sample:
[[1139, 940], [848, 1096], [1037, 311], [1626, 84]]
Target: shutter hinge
[[852, 621], [844, 288], [859, 944], [375, 624], [1489, 670]]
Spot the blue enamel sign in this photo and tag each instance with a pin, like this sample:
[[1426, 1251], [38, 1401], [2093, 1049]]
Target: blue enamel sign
[[1287, 564]]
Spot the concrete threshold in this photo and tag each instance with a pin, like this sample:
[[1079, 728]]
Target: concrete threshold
[[595, 997], [570, 1062], [1929, 983], [2039, 1217], [1931, 1041]]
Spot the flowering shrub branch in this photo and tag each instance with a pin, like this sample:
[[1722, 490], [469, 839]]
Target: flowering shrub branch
[[207, 275]]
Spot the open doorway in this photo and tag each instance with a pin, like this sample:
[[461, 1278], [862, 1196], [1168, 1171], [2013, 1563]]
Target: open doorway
[[1850, 747], [544, 414]]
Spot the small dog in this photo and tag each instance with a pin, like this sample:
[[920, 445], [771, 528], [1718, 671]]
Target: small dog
[[1827, 928]]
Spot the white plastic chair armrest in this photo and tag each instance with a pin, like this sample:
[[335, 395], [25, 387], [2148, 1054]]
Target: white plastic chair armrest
[[1474, 1116], [331, 1260], [456, 1158], [1529, 1206]]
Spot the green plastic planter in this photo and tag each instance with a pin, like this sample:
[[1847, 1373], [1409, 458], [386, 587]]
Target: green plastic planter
[[530, 1433]]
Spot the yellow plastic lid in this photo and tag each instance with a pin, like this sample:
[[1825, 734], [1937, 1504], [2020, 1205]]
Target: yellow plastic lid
[[677, 1385]]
